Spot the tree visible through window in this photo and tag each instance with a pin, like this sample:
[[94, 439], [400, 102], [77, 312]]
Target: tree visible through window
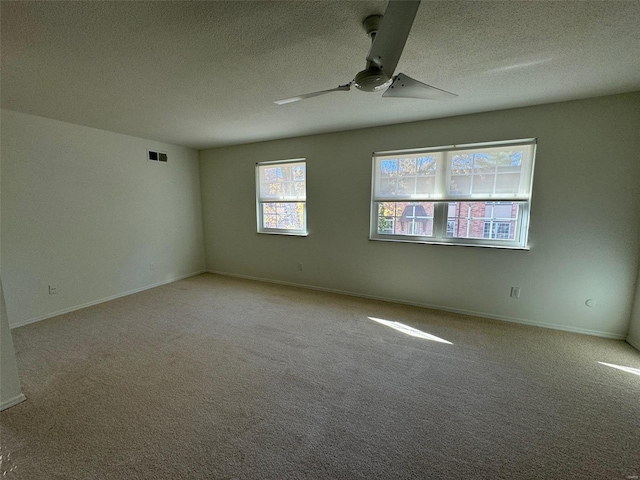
[[281, 195]]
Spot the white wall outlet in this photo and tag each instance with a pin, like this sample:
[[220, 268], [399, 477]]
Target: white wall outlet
[[515, 292], [53, 289], [300, 266], [152, 267]]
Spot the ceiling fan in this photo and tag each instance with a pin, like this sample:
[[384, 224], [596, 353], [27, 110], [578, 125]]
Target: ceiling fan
[[388, 36]]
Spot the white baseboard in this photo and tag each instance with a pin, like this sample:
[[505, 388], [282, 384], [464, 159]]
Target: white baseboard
[[12, 401], [634, 344], [492, 316], [102, 300]]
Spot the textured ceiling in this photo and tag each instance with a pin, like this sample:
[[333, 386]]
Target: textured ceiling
[[205, 74]]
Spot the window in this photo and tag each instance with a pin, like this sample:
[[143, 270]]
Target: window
[[476, 194], [281, 196], [497, 230]]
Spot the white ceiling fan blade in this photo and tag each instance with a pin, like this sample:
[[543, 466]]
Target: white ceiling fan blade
[[407, 87], [392, 35], [341, 88]]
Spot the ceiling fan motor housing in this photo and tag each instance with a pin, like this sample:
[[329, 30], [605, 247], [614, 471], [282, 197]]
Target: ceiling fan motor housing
[[373, 79], [371, 24]]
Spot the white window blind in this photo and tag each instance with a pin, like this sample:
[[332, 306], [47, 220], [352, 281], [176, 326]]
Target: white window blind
[[486, 172], [282, 182]]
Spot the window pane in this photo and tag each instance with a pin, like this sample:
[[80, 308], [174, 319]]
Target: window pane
[[405, 177], [502, 210], [282, 181], [407, 166], [269, 218], [483, 163], [283, 216], [462, 164], [483, 183], [426, 184], [506, 183], [272, 183], [388, 186], [460, 185], [406, 185], [405, 218], [426, 165], [486, 171], [497, 230], [492, 220]]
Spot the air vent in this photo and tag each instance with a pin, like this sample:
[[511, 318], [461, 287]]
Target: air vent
[[156, 156]]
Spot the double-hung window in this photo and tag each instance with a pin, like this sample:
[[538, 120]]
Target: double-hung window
[[476, 194], [281, 197]]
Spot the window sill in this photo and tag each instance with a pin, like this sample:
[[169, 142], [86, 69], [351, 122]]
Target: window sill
[[286, 234], [451, 244]]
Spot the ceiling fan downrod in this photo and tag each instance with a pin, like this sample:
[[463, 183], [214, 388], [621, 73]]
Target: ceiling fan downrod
[[372, 78]]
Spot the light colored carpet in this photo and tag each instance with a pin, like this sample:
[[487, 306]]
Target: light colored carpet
[[218, 378]]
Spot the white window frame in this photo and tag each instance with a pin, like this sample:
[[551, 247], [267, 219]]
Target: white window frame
[[441, 195], [261, 200]]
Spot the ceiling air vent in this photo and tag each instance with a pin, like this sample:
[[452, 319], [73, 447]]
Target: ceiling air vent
[[156, 156]]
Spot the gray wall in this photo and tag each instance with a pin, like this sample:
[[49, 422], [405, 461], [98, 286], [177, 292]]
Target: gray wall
[[10, 389], [84, 210], [633, 337], [583, 235]]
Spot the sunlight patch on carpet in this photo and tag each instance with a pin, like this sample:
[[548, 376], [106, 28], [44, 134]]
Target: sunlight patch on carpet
[[635, 371], [414, 332]]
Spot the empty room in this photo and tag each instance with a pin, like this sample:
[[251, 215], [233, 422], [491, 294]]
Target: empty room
[[320, 239]]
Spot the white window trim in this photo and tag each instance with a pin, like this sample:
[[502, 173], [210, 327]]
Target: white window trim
[[259, 203], [441, 201]]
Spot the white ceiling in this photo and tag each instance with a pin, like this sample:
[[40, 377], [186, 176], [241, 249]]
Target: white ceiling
[[205, 74]]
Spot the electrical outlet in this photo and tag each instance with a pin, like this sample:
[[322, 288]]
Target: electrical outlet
[[515, 292], [53, 289], [300, 266], [152, 267]]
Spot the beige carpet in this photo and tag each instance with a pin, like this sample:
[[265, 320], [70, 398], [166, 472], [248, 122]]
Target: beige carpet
[[220, 378]]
